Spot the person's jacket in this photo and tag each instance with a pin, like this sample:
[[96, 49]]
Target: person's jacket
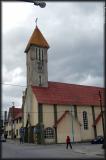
[[68, 139]]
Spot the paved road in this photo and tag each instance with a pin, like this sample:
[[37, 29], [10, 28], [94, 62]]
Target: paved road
[[12, 149]]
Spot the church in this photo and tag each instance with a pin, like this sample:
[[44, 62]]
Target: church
[[53, 110]]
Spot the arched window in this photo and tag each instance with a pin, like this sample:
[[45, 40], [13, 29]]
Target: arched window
[[49, 132], [85, 120]]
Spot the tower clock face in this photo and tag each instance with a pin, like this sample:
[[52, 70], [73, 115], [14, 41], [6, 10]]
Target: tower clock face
[[32, 56]]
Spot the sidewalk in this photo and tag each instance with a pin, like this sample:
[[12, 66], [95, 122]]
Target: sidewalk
[[92, 150]]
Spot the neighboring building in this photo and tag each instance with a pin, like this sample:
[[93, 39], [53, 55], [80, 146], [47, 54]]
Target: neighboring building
[[18, 124], [14, 122], [53, 110]]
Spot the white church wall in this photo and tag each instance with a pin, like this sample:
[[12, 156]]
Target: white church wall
[[67, 126], [86, 134], [64, 127], [25, 109], [27, 106], [99, 124], [48, 120], [77, 131], [34, 117], [25, 114], [48, 115]]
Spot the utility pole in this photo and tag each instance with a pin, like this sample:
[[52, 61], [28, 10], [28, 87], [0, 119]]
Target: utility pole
[[100, 99], [104, 145], [12, 120]]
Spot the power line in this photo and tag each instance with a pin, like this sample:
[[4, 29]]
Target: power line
[[12, 84], [49, 112]]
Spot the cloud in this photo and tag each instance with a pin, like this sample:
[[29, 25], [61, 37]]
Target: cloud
[[74, 32]]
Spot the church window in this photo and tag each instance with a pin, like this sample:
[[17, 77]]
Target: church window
[[42, 54], [40, 66], [36, 54], [49, 132], [85, 120], [39, 54], [40, 81]]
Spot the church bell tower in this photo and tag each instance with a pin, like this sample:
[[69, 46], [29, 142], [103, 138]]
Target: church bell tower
[[36, 60]]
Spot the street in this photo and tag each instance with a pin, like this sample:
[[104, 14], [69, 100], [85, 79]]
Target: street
[[11, 149]]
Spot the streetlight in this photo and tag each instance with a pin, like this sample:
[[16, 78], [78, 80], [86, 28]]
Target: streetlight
[[42, 4]]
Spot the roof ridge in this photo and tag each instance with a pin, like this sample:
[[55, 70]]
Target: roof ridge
[[75, 84]]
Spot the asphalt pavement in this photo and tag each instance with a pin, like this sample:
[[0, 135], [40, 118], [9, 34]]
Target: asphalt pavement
[[13, 149]]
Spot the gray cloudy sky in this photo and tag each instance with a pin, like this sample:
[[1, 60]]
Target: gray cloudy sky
[[74, 31]]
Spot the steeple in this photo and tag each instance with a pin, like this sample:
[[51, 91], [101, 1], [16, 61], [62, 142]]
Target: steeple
[[37, 58], [37, 39]]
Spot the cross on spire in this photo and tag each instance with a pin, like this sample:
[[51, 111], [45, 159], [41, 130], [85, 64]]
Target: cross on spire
[[13, 103], [36, 21]]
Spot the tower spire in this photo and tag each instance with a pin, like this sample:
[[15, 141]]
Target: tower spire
[[37, 39], [37, 72]]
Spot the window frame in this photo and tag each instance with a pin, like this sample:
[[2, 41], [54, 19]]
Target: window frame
[[49, 133], [85, 120]]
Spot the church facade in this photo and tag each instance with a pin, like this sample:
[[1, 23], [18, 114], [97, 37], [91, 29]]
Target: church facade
[[53, 110]]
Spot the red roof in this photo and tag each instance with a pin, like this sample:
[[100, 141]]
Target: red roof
[[68, 94], [14, 111], [19, 115]]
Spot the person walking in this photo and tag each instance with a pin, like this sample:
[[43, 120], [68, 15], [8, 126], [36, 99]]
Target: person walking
[[21, 135], [15, 136], [68, 142], [5, 135]]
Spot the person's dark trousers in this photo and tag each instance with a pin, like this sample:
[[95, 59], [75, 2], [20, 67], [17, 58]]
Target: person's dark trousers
[[69, 144], [20, 140]]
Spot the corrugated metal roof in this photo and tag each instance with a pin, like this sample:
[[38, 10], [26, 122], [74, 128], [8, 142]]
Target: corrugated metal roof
[[37, 39], [13, 112], [19, 115], [68, 94]]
